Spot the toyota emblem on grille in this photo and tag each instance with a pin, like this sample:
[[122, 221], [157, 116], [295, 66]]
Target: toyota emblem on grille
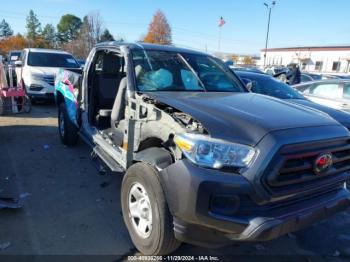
[[323, 163]]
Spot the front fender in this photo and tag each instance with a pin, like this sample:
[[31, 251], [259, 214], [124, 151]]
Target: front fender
[[66, 87]]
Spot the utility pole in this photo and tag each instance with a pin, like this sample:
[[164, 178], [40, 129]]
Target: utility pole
[[269, 7]]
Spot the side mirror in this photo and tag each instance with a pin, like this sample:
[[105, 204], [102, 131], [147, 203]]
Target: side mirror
[[248, 84], [18, 63]]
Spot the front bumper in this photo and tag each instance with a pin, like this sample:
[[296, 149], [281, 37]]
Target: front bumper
[[39, 89], [45, 96], [194, 194]]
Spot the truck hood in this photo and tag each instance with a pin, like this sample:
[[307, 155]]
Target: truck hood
[[242, 117]]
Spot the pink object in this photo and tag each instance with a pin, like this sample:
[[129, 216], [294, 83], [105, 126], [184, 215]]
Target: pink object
[[12, 92]]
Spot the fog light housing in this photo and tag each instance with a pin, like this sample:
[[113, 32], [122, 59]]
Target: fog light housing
[[225, 205], [35, 88]]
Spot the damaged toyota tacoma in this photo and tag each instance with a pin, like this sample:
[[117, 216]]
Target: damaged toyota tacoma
[[204, 161]]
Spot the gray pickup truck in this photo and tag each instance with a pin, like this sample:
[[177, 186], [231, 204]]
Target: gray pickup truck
[[204, 161]]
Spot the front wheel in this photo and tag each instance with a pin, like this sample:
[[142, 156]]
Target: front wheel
[[145, 211], [27, 105], [67, 130]]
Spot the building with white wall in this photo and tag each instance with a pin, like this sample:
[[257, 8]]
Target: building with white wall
[[322, 59]]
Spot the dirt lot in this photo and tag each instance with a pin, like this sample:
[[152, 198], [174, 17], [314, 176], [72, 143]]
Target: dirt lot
[[71, 209]]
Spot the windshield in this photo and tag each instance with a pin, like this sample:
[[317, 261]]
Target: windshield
[[52, 60], [173, 71], [272, 87]]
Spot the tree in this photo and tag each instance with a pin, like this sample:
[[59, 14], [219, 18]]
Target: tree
[[5, 29], [40, 42], [95, 26], [119, 39], [159, 30], [90, 33], [235, 58], [49, 35], [248, 60], [68, 28], [106, 36], [33, 26], [17, 42], [88, 36]]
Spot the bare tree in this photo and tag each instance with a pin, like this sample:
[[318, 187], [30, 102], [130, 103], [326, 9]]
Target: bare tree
[[96, 26], [90, 34]]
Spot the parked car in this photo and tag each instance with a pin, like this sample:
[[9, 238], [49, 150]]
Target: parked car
[[333, 93], [206, 161], [249, 69], [274, 70], [11, 68], [279, 72], [308, 77], [81, 62], [13, 56], [327, 76], [39, 67], [268, 85]]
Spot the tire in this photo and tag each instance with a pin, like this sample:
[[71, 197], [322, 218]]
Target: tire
[[24, 104], [67, 130], [160, 239], [2, 106], [33, 101], [27, 106]]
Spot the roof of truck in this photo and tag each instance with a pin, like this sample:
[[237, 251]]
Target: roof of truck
[[147, 46]]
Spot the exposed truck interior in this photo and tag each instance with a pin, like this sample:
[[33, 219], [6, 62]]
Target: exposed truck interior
[[106, 94]]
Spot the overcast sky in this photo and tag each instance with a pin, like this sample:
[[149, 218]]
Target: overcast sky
[[195, 23]]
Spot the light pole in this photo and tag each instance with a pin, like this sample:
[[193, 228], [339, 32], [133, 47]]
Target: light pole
[[269, 7]]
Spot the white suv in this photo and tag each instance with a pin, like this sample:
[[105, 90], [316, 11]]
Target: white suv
[[40, 67]]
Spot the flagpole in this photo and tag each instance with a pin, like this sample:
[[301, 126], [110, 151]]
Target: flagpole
[[221, 23], [219, 42]]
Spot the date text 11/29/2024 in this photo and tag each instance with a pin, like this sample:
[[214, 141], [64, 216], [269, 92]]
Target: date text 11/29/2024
[[173, 258]]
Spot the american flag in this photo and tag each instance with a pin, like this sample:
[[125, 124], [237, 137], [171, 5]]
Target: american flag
[[221, 22]]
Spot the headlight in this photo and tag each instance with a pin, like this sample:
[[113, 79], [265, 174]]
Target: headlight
[[214, 153]]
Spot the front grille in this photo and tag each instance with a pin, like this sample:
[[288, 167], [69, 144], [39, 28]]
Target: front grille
[[49, 79], [292, 169]]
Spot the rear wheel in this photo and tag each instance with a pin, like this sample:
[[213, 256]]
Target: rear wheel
[[145, 211], [67, 130]]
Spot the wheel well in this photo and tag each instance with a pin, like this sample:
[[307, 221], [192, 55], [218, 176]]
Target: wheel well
[[150, 142], [59, 98]]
